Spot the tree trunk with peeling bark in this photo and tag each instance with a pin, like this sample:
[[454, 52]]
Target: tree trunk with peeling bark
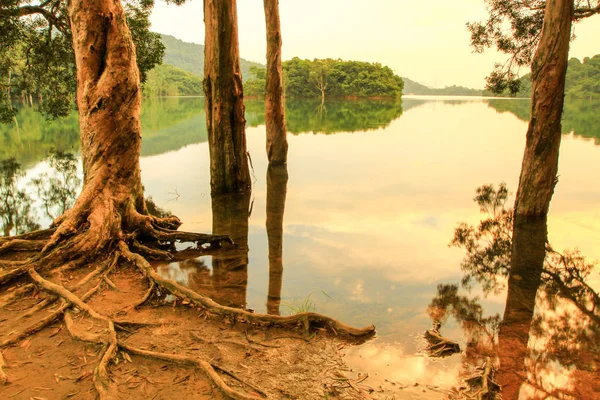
[[537, 180], [224, 104], [540, 161], [277, 145]]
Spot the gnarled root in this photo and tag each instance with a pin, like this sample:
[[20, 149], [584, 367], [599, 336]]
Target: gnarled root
[[104, 234], [308, 319]]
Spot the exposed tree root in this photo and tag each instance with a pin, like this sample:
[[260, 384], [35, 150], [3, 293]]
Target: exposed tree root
[[66, 248], [35, 235], [308, 319], [3, 376], [15, 294], [21, 245], [202, 365]]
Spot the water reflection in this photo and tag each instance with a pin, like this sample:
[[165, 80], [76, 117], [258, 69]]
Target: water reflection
[[277, 177], [582, 117], [547, 342], [304, 115], [17, 214], [230, 264]]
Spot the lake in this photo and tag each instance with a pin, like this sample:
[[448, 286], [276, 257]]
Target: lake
[[374, 191]]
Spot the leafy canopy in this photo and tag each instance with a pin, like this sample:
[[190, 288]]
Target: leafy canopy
[[514, 27], [36, 53]]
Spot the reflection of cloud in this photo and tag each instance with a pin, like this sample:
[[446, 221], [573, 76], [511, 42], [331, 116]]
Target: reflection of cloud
[[390, 361], [428, 221]]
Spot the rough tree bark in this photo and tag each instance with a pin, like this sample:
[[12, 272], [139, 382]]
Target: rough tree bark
[[277, 145], [536, 185], [224, 104], [277, 177], [540, 161]]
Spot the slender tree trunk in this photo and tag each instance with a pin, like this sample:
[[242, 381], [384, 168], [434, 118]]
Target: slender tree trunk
[[536, 185], [540, 161], [277, 145], [277, 177], [224, 105], [230, 267]]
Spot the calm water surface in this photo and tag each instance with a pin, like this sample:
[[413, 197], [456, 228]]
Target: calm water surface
[[372, 194]]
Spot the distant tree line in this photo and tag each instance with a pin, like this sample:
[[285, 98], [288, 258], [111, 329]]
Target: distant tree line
[[583, 80], [167, 80], [331, 78]]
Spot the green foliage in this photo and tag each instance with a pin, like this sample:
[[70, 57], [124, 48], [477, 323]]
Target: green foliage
[[309, 115], [582, 82], [190, 57], [256, 86], [337, 78], [581, 117], [166, 80], [36, 54], [514, 28], [306, 304]]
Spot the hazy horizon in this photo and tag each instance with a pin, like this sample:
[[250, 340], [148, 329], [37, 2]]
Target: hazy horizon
[[428, 46]]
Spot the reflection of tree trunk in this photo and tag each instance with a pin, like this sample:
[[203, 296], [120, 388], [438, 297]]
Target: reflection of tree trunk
[[230, 266], [277, 177], [224, 99], [277, 145], [518, 314], [540, 161]]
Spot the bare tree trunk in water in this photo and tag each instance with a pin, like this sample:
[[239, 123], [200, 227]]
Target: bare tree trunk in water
[[518, 315], [224, 104], [538, 178], [230, 266], [277, 145], [540, 161], [277, 177]]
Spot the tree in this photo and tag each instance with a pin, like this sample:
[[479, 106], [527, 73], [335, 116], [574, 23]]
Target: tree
[[109, 224], [224, 95], [515, 28], [277, 145], [319, 76], [36, 55]]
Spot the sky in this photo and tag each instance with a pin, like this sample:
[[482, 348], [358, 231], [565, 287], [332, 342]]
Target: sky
[[428, 44]]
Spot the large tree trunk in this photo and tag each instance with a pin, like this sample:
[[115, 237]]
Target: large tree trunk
[[540, 161], [108, 99], [277, 145], [224, 105], [277, 177]]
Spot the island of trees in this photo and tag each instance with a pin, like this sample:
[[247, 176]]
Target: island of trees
[[325, 78]]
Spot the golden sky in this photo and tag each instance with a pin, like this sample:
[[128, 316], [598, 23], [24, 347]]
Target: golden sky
[[426, 42]]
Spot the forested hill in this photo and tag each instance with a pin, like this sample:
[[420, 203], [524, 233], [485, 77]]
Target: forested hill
[[412, 87], [190, 57]]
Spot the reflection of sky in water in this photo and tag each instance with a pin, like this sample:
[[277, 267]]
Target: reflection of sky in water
[[369, 216]]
